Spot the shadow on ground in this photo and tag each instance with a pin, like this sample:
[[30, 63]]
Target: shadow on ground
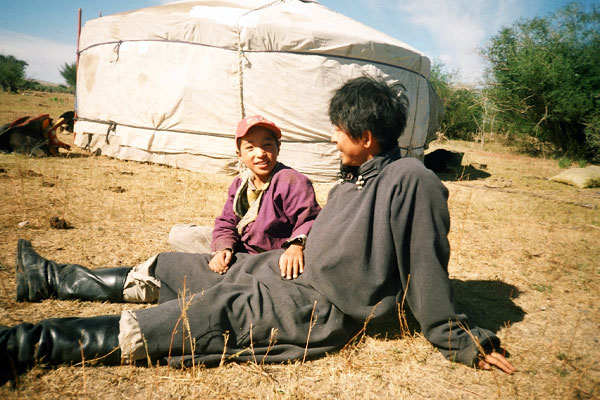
[[447, 165], [488, 304], [463, 173], [76, 155]]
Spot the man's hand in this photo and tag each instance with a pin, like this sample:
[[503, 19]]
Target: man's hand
[[498, 360], [220, 261], [291, 262]]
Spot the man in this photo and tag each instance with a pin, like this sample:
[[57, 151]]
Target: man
[[381, 236]]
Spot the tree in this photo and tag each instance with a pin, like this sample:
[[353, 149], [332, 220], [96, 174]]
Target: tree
[[463, 112], [544, 77], [12, 73], [69, 72]]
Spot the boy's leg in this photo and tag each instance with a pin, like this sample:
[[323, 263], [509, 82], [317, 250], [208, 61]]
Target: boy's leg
[[141, 286], [190, 238], [39, 279]]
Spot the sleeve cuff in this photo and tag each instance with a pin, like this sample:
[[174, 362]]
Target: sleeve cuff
[[300, 239], [224, 248]]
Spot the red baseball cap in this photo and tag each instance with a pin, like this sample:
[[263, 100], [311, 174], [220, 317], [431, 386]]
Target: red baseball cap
[[255, 120]]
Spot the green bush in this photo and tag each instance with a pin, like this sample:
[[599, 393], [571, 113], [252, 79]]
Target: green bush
[[544, 79], [463, 110], [12, 77], [12, 73], [34, 85], [592, 135], [69, 72], [564, 162]]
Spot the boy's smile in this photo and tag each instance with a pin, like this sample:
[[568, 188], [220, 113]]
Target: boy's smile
[[258, 150]]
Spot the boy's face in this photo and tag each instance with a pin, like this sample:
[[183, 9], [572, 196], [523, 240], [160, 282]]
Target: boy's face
[[353, 152], [258, 150]]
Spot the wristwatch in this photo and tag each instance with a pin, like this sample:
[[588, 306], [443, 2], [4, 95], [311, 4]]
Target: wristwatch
[[301, 240]]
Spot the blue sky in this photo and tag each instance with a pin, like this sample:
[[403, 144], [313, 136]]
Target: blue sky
[[44, 33]]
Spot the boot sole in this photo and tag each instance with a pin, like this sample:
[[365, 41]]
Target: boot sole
[[23, 276]]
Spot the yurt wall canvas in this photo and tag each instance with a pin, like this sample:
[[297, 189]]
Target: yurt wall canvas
[[168, 84]]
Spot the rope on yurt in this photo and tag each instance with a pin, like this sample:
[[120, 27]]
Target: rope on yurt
[[242, 56], [117, 50], [410, 147], [112, 127], [113, 124]]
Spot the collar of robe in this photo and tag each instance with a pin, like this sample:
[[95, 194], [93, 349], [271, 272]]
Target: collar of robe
[[369, 169]]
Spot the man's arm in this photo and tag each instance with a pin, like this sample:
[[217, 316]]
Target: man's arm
[[420, 223]]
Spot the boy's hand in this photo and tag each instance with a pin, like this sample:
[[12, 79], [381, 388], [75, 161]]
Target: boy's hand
[[497, 360], [291, 262], [220, 261]]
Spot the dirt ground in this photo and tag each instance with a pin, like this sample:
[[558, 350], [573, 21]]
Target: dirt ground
[[525, 263]]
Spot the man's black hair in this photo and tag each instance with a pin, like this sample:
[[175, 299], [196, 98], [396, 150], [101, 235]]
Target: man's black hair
[[368, 104]]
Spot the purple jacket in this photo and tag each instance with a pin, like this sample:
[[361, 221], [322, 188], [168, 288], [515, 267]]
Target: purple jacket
[[287, 210]]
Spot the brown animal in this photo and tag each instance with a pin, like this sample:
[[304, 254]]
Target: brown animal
[[69, 122], [32, 135]]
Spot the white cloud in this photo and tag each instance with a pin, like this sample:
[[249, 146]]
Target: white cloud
[[460, 28], [44, 57]]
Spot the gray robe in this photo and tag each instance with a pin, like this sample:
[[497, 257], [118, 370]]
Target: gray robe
[[379, 227]]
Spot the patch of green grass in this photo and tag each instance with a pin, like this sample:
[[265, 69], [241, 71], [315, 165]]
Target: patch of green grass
[[540, 287], [531, 372], [582, 265], [564, 162]]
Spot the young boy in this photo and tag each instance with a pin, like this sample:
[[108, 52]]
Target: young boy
[[269, 206], [381, 238]]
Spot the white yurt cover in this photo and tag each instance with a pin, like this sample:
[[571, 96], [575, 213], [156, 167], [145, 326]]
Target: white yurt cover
[[168, 84]]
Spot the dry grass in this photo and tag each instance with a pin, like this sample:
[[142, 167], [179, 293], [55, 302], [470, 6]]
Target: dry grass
[[525, 263], [13, 106]]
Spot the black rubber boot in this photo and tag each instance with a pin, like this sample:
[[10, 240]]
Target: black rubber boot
[[57, 341], [39, 279]]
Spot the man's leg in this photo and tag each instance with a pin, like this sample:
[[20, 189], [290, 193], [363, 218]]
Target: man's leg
[[131, 341], [56, 341], [109, 339], [190, 238]]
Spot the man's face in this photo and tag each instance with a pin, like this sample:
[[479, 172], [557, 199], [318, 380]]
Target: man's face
[[353, 152], [259, 150]]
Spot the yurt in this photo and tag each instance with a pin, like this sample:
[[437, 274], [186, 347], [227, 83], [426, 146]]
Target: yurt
[[168, 84]]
